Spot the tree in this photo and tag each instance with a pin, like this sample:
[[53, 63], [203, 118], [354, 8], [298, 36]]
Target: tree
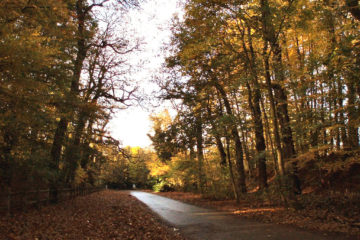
[[295, 61], [33, 76]]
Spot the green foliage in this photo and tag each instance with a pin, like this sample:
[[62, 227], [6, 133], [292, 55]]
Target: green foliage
[[163, 186]]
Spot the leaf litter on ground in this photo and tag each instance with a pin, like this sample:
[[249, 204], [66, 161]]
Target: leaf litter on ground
[[107, 214]]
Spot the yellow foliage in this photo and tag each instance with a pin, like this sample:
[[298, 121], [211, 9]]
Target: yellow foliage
[[157, 168], [80, 176]]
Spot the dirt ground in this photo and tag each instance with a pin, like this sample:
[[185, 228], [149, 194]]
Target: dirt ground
[[103, 215], [310, 218]]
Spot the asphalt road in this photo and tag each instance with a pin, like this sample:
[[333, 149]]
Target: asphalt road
[[205, 224]]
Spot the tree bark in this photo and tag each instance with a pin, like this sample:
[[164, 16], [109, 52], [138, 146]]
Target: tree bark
[[235, 135], [280, 93], [352, 115], [254, 97], [61, 130], [254, 102], [200, 154], [219, 143], [235, 189]]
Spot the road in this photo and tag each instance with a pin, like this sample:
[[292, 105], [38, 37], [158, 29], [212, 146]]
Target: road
[[200, 223]]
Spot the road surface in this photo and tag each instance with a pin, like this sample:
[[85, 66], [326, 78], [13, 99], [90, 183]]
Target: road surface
[[200, 223]]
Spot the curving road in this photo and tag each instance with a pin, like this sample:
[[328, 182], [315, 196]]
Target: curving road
[[200, 223]]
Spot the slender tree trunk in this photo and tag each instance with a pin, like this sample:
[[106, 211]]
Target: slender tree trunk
[[352, 115], [192, 156], [343, 134], [219, 143], [279, 154], [268, 135], [221, 150], [243, 129], [200, 155], [254, 97], [322, 115], [247, 166], [233, 182], [238, 146]]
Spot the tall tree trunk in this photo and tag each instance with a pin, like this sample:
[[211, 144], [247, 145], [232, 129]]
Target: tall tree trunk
[[343, 135], [219, 143], [269, 138], [254, 97], [254, 102], [221, 150], [353, 137], [244, 132], [279, 152], [60, 133], [235, 135], [73, 151], [233, 182], [86, 156], [280, 93], [192, 156], [247, 165], [200, 155]]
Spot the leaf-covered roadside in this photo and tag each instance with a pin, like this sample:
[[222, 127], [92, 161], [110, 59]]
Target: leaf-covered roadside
[[329, 217], [103, 215]]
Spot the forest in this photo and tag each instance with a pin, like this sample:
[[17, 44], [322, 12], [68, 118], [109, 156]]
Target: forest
[[267, 99], [265, 93], [62, 75], [260, 114]]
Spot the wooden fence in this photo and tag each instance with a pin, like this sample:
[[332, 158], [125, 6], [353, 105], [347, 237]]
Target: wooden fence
[[12, 201]]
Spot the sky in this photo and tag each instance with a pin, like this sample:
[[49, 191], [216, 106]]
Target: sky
[[152, 24]]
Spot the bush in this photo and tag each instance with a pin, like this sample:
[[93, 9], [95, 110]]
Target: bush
[[163, 186]]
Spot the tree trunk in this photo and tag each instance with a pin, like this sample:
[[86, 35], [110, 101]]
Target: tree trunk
[[74, 90], [73, 151], [270, 36], [200, 155], [278, 148], [254, 102], [219, 144], [235, 189], [268, 135], [353, 138], [238, 146]]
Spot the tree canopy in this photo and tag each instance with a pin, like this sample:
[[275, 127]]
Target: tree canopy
[[272, 85]]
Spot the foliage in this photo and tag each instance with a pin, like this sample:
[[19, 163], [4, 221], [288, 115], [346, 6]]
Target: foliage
[[60, 63], [261, 84], [128, 168]]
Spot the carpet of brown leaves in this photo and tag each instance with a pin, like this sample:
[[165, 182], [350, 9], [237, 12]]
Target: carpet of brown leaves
[[103, 215], [310, 218]]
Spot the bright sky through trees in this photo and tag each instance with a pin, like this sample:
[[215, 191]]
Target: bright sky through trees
[[152, 25]]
